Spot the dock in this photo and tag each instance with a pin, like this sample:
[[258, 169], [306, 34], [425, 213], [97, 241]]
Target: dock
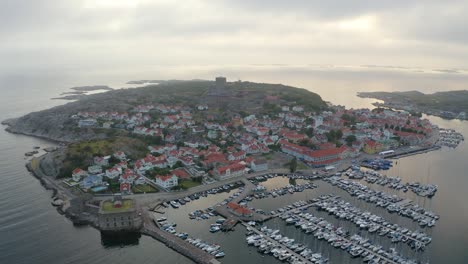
[[181, 246], [354, 243], [277, 244]]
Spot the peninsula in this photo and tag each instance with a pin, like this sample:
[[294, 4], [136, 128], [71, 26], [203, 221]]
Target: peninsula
[[451, 104], [126, 153]]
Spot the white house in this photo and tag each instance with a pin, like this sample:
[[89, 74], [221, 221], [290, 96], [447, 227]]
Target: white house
[[120, 155], [167, 181], [78, 173], [259, 165], [101, 161], [94, 169], [113, 172], [298, 108]]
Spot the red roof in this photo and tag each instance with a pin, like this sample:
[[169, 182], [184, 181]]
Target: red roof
[[326, 152], [164, 177], [180, 173], [77, 170], [124, 187], [232, 167]]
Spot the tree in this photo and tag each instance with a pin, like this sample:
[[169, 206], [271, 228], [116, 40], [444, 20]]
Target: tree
[[350, 139], [310, 132], [338, 134], [293, 165], [178, 164]]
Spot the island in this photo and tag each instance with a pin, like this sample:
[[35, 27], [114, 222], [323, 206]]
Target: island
[[81, 91], [449, 105], [126, 153]]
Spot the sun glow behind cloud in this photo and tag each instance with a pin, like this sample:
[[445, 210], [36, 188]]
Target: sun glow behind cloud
[[363, 24], [111, 3]]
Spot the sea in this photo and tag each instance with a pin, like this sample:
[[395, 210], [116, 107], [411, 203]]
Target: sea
[[32, 231]]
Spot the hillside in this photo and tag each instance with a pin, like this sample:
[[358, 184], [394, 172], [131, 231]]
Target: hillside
[[56, 123], [447, 104]]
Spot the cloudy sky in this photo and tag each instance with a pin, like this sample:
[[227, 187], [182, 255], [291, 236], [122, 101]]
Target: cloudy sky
[[90, 35]]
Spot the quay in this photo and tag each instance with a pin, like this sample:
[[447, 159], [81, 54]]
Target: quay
[[410, 152], [181, 246], [277, 244]]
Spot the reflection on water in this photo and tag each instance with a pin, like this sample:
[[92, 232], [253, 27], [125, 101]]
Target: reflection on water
[[119, 239]]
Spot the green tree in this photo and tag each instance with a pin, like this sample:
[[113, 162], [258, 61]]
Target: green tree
[[293, 165], [350, 139]]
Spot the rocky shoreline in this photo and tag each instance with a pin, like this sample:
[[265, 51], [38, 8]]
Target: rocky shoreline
[[70, 208]]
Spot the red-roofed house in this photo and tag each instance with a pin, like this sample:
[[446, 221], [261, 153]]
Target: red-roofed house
[[78, 173], [125, 188], [372, 147], [113, 172], [229, 171], [181, 174], [240, 155], [167, 181]]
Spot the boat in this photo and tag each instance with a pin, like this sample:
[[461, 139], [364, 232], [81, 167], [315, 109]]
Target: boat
[[161, 219]]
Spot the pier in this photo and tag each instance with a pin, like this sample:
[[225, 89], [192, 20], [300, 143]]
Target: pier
[[350, 241], [277, 244], [181, 246]]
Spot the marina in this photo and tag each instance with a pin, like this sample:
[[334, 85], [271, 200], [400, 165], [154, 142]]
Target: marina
[[393, 203], [373, 223], [338, 237], [374, 177]]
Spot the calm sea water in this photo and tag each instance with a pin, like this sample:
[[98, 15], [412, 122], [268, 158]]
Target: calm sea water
[[31, 230]]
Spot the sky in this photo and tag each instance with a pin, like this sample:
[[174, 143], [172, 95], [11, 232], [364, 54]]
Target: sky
[[135, 35]]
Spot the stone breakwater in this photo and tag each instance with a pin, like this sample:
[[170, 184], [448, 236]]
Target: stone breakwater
[[182, 247]]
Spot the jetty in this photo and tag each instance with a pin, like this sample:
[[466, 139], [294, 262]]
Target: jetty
[[277, 244], [181, 246], [354, 243]]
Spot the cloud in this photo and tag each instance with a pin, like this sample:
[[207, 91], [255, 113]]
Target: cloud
[[100, 34]]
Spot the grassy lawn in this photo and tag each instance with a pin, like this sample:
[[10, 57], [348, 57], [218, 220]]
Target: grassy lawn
[[267, 156], [186, 184], [144, 189], [301, 166], [108, 206]]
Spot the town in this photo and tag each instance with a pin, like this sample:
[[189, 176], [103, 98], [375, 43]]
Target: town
[[193, 146]]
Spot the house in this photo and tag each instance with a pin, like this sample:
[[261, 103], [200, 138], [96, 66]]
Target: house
[[101, 161], [181, 174], [95, 169], [298, 108], [78, 173], [212, 134], [372, 147], [214, 158], [125, 188], [120, 155], [128, 176], [113, 172], [87, 123], [240, 155], [324, 157], [259, 165], [228, 171], [91, 181], [167, 181]]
